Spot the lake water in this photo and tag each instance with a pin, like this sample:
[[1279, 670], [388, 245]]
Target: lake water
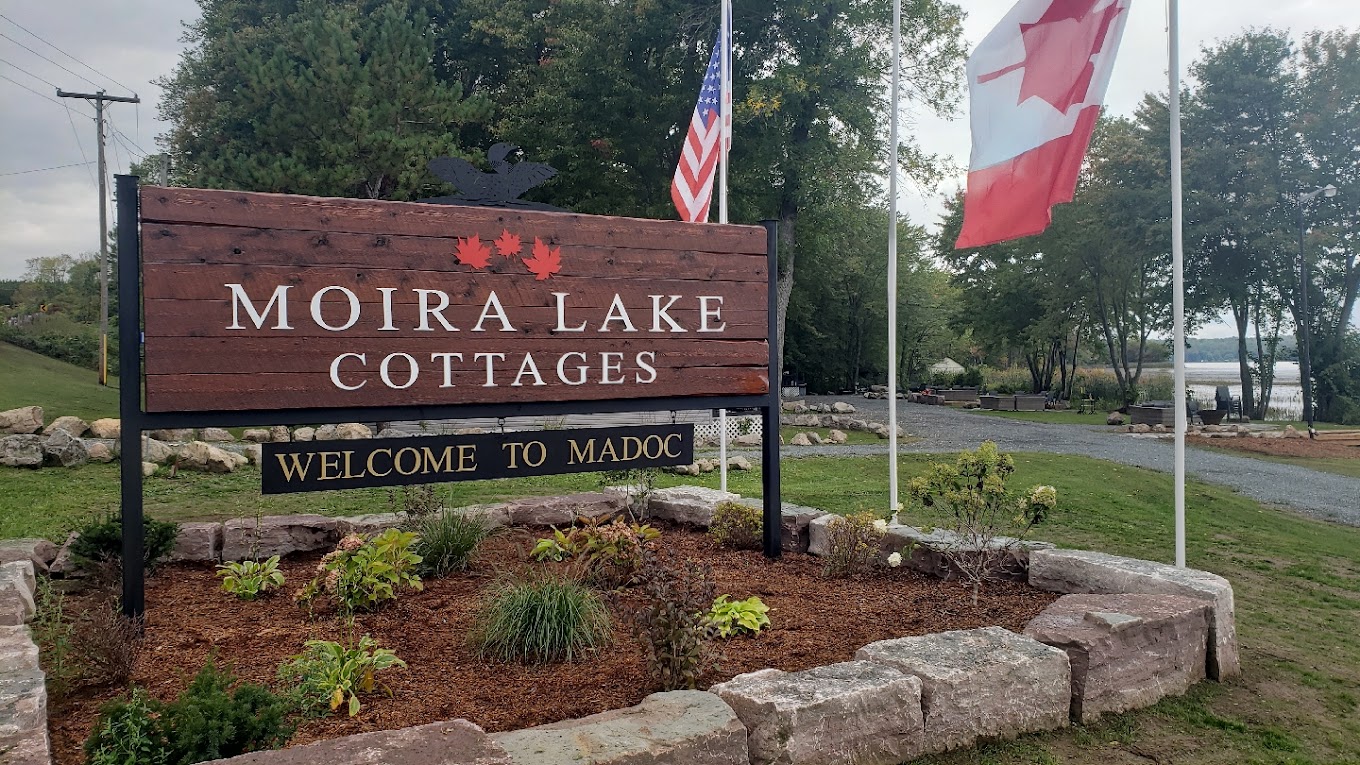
[[1286, 397]]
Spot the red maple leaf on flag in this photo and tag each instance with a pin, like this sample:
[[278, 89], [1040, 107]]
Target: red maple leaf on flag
[[508, 245], [471, 252], [546, 260]]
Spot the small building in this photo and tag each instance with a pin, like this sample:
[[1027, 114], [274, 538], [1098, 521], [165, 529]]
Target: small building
[[946, 367]]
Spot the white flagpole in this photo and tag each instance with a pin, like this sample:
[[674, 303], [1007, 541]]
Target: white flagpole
[[892, 260], [724, 118], [1177, 265]]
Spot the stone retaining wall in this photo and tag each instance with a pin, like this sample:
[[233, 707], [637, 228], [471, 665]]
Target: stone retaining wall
[[1126, 633]]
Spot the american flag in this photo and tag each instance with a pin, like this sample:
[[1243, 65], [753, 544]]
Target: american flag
[[692, 188]]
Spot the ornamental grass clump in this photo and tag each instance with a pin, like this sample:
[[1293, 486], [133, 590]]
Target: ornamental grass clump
[[446, 541], [542, 619], [972, 495]]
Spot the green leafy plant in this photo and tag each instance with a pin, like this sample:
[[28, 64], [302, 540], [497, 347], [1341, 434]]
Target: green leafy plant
[[544, 618], [672, 622], [327, 674], [446, 540], [853, 544], [360, 576], [640, 483], [250, 579], [415, 501], [972, 492], [101, 542], [738, 617], [129, 732], [610, 552], [738, 526], [54, 635]]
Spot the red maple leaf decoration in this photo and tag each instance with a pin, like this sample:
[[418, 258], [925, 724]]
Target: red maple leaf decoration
[[508, 245], [546, 260], [1058, 51], [471, 252]]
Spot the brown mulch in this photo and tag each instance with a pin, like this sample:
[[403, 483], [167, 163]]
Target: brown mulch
[[1280, 447], [815, 621]]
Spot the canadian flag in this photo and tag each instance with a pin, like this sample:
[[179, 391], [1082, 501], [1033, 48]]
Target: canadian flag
[[1036, 84]]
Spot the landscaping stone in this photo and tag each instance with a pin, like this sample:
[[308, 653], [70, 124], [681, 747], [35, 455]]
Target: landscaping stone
[[278, 535], [174, 435], [99, 452], [930, 551], [493, 515], [257, 435], [108, 427], [207, 458], [987, 682], [32, 747], [40, 552], [692, 505], [324, 433], [739, 463], [254, 453], [1127, 651], [675, 728], [198, 542], [304, 434], [23, 699], [455, 742], [149, 469], [155, 451], [562, 511], [856, 712], [819, 541], [837, 437], [73, 425], [279, 434], [64, 565], [22, 421], [1114, 418], [352, 431], [370, 525], [21, 451], [794, 522], [217, 435], [749, 439], [17, 587], [800, 439], [1082, 571], [62, 448]]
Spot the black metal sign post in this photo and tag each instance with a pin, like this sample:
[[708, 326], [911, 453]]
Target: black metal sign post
[[135, 420]]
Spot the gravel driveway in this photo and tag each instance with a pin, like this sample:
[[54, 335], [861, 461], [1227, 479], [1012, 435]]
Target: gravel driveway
[[942, 429]]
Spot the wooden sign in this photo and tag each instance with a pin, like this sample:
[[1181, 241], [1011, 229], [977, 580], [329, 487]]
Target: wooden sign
[[329, 465], [264, 301]]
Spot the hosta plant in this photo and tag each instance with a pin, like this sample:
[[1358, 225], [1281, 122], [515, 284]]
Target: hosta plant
[[250, 579], [328, 675], [610, 552], [730, 618]]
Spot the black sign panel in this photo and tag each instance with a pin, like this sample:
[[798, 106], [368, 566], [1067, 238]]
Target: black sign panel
[[330, 465]]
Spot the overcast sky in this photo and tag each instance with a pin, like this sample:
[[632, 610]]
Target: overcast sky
[[129, 43]]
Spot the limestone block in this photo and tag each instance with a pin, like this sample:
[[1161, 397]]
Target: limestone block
[[64, 565], [99, 452], [325, 433], [858, 711], [108, 427], [304, 434], [675, 728], [198, 542], [62, 448], [174, 435], [40, 552], [1082, 571], [819, 540], [351, 431], [562, 511], [692, 505], [456, 742], [17, 587], [155, 451], [23, 694], [930, 552], [279, 434], [1127, 651], [200, 455], [370, 525], [33, 747], [21, 451], [73, 425], [278, 535], [217, 435], [22, 421], [987, 682], [257, 435], [794, 522]]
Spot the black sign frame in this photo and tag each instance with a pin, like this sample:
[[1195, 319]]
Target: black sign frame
[[135, 420]]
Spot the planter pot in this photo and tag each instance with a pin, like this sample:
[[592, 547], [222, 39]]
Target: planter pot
[[1212, 416], [1030, 403]]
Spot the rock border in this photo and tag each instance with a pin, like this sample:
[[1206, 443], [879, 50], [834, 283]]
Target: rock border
[[937, 692]]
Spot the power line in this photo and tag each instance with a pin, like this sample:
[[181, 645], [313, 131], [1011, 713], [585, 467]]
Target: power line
[[76, 133], [64, 53], [126, 139], [48, 60], [45, 169], [30, 74], [40, 95]]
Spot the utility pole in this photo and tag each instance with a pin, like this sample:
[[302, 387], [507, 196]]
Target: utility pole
[[164, 178], [98, 99]]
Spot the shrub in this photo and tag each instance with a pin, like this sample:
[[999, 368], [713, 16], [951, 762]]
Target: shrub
[[101, 541], [973, 493], [738, 526], [105, 643], [361, 575], [853, 544], [55, 636], [738, 617], [446, 540], [129, 732], [249, 579], [543, 619], [673, 622], [328, 673], [640, 482], [415, 501], [611, 552], [208, 721]]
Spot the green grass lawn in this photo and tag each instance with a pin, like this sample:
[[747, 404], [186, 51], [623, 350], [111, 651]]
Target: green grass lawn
[[28, 379]]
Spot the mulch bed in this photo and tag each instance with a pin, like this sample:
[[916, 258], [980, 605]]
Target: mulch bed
[[1280, 447], [816, 621]]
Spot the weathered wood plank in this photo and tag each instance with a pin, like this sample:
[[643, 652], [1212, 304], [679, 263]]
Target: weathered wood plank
[[258, 210]]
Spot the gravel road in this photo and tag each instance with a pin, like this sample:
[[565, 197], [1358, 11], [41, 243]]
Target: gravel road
[[942, 429]]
